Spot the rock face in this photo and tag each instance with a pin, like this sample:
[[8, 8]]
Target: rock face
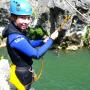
[[4, 74], [66, 5], [59, 10], [4, 17], [72, 16]]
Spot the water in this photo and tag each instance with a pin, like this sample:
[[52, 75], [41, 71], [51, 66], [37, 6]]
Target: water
[[69, 70]]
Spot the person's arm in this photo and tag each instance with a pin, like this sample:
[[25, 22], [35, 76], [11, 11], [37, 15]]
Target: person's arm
[[36, 43], [20, 43]]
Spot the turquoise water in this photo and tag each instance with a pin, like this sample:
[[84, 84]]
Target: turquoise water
[[68, 70]]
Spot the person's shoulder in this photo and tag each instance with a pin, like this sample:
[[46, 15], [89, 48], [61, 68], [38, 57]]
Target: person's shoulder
[[15, 37]]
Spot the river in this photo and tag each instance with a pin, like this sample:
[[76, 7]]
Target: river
[[67, 70]]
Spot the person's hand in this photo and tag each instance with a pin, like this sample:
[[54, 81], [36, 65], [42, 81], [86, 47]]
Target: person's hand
[[46, 39], [54, 35]]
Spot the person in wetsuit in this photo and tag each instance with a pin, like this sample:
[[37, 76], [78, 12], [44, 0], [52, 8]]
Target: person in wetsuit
[[20, 48]]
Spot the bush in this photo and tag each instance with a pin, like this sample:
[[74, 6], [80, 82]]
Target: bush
[[36, 33]]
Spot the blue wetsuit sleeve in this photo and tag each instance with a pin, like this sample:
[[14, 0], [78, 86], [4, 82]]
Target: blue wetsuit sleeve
[[25, 47], [36, 43]]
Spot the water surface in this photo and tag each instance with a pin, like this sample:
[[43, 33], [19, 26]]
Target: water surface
[[68, 70]]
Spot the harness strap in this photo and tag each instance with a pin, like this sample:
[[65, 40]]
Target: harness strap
[[14, 80]]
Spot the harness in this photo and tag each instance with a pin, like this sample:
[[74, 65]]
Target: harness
[[16, 82]]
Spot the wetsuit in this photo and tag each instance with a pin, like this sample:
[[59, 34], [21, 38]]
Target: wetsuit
[[21, 51]]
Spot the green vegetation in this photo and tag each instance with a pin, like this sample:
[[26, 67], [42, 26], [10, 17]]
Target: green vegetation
[[36, 33], [86, 38]]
